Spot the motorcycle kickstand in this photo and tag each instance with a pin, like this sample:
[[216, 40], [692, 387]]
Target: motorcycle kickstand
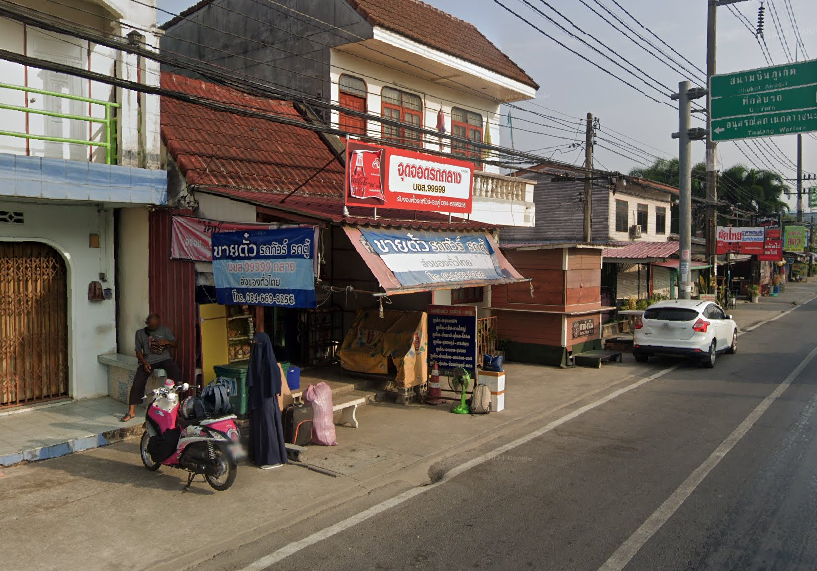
[[190, 477]]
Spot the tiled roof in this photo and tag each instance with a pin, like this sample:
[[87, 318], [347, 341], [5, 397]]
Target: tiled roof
[[430, 26], [642, 251], [427, 25], [260, 161]]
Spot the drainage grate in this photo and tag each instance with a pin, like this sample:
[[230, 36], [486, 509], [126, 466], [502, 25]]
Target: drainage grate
[[9, 217]]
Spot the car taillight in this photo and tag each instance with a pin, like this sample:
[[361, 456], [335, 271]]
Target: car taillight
[[701, 326], [638, 323]]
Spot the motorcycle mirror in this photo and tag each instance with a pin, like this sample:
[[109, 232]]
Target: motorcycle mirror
[[185, 386]]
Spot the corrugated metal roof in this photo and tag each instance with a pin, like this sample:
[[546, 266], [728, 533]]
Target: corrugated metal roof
[[642, 251]]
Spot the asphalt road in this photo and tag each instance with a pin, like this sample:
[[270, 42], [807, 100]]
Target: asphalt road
[[578, 495]]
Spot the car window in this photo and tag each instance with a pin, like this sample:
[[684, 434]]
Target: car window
[[670, 314], [715, 312]]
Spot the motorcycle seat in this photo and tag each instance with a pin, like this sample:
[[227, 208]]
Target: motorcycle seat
[[209, 421]]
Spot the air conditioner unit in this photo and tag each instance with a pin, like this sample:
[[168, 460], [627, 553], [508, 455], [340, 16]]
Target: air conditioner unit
[[635, 232]]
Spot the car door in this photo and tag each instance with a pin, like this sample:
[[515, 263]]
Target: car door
[[722, 326]]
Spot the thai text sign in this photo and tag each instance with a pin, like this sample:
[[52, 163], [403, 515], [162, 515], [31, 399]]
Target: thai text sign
[[191, 237], [812, 197], [378, 176], [265, 267], [452, 337], [764, 102], [418, 258], [584, 328], [740, 240], [795, 239], [773, 240]]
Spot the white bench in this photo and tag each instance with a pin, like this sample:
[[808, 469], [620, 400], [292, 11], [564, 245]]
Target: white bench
[[348, 414]]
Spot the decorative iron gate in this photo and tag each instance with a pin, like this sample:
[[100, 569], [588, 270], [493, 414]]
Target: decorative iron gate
[[33, 324]]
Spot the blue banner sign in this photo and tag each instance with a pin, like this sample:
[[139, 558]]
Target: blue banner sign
[[265, 267], [419, 258]]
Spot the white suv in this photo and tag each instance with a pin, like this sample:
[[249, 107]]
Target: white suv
[[687, 328]]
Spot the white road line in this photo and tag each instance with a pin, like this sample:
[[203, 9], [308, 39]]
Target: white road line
[[296, 546], [629, 548], [317, 537]]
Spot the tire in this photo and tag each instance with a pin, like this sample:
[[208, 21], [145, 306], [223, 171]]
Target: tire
[[733, 348], [229, 471], [143, 452], [709, 362], [641, 357]]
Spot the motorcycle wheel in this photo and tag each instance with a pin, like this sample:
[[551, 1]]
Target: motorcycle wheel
[[227, 471], [146, 458]]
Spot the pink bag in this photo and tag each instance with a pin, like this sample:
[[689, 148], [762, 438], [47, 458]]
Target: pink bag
[[323, 423]]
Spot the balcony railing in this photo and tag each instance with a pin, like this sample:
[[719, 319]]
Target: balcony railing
[[499, 187], [108, 122]]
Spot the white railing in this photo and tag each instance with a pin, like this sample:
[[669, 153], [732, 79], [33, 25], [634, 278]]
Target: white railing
[[500, 187]]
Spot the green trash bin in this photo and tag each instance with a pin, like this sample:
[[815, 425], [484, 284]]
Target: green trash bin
[[238, 372]]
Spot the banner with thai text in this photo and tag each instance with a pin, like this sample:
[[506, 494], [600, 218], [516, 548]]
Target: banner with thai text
[[452, 337], [795, 239], [265, 267], [740, 240], [191, 236]]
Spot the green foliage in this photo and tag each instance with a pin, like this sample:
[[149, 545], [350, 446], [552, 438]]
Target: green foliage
[[754, 290]]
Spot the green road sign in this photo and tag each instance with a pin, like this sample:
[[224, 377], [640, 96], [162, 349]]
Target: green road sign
[[777, 100], [812, 197], [764, 79]]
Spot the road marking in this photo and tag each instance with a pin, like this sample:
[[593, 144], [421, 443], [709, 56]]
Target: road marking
[[296, 546], [776, 317], [636, 541], [317, 537]]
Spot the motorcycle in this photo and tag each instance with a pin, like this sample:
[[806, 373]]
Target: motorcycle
[[206, 446]]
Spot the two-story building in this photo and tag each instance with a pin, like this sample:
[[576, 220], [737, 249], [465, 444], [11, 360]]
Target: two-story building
[[79, 164]]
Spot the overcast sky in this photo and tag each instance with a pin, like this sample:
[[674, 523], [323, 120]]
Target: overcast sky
[[573, 87]]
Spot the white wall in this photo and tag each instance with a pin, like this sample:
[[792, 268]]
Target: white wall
[[91, 329], [132, 260], [224, 209], [648, 234], [434, 96]]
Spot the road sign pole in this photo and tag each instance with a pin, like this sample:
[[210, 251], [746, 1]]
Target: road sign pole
[[685, 187], [799, 178], [711, 146]]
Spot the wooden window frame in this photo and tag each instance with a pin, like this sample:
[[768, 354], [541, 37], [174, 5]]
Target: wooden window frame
[[642, 209], [344, 119], [661, 214], [467, 130], [468, 295], [626, 204], [402, 112]]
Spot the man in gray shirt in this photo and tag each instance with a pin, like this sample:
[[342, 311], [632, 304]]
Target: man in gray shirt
[[153, 344]]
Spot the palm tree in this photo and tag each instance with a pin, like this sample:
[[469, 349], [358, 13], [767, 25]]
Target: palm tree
[[756, 191]]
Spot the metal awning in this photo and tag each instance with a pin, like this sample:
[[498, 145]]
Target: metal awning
[[673, 265], [409, 261]]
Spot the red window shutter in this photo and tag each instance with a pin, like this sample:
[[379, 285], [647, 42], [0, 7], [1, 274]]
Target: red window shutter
[[351, 123]]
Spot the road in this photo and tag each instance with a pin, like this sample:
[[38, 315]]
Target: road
[[694, 469]]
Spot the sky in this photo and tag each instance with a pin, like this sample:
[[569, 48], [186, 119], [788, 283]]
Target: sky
[[572, 87]]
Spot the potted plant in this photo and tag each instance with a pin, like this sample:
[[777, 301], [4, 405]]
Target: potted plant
[[754, 293], [502, 346]]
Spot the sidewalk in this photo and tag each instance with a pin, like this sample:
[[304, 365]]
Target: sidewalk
[[105, 499]]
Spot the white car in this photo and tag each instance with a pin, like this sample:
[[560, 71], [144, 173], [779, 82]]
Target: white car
[[688, 328]]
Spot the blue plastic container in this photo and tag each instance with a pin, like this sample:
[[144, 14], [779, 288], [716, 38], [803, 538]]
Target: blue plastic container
[[294, 378]]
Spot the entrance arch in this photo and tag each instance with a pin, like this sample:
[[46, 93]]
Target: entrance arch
[[33, 324]]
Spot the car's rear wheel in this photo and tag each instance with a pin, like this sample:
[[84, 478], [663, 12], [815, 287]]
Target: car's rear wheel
[[733, 348], [712, 356], [641, 357]]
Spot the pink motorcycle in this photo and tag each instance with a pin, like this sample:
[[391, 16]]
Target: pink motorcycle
[[207, 446]]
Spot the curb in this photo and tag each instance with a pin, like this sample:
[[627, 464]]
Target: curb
[[74, 445]]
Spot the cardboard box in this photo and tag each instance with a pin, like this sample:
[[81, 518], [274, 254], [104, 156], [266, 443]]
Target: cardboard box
[[496, 384]]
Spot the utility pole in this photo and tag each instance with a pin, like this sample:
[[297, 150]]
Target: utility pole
[[684, 135], [799, 178], [588, 180], [711, 146]]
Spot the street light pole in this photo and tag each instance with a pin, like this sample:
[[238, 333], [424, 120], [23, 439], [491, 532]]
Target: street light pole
[[711, 146]]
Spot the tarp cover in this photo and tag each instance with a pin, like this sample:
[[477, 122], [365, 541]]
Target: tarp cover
[[399, 337]]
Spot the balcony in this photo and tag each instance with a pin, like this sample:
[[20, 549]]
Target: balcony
[[503, 200]]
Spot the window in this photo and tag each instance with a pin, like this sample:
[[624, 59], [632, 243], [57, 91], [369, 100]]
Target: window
[[352, 96], [660, 220], [643, 216], [467, 295], [405, 108], [670, 314], [466, 125], [622, 216]]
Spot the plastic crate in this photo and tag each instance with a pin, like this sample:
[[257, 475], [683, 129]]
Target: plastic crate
[[238, 373]]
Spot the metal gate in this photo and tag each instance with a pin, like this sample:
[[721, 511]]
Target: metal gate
[[33, 324]]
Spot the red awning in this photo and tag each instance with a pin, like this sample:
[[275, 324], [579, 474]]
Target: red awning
[[391, 284]]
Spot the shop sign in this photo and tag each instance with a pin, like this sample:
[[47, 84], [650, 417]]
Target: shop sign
[[584, 328], [452, 337], [773, 239], [795, 240], [740, 240], [191, 237], [385, 177], [419, 258], [265, 267]]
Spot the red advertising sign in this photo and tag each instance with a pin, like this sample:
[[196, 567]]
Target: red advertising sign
[[385, 177], [740, 240], [773, 245]]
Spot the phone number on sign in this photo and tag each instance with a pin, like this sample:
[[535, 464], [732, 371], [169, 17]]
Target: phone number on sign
[[263, 298]]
